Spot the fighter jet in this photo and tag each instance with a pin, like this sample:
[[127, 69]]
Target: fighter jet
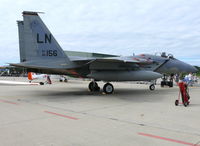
[[41, 53]]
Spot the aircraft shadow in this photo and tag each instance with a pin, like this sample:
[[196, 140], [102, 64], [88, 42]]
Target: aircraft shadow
[[139, 95]]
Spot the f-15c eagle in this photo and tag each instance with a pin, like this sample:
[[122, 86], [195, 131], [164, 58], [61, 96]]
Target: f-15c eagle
[[41, 53]]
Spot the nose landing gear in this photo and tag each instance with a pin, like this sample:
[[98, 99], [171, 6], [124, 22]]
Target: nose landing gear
[[152, 87]]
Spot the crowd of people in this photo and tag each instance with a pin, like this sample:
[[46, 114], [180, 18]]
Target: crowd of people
[[190, 79]]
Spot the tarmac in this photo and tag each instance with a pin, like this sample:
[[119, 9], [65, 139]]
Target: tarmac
[[67, 114]]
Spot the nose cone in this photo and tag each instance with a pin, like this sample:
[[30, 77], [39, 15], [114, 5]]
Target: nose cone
[[184, 67], [177, 66], [194, 69]]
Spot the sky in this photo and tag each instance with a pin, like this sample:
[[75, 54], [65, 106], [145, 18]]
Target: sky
[[120, 27]]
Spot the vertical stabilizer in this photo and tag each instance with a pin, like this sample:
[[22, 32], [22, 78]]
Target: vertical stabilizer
[[36, 42], [22, 50]]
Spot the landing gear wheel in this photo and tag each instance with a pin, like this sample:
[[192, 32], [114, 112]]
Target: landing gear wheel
[[162, 83], [185, 101], [41, 83], [93, 86], [176, 102], [170, 84], [152, 87], [108, 88]]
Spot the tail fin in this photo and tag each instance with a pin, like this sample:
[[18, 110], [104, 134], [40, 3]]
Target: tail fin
[[36, 42], [22, 49]]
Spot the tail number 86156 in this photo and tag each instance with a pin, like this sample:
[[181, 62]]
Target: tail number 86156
[[49, 53]]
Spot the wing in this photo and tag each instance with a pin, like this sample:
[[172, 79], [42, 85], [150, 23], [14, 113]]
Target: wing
[[119, 63], [130, 59]]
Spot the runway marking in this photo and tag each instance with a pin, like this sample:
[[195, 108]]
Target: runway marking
[[65, 116], [10, 102], [168, 139]]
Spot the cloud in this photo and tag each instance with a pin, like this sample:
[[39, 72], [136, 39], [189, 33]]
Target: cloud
[[112, 26]]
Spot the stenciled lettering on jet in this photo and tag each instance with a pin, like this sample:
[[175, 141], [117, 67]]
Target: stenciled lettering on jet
[[49, 53], [47, 39]]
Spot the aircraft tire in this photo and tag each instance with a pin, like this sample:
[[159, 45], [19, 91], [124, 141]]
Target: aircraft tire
[[176, 102], [185, 104], [93, 86], [170, 83], [108, 88], [41, 83], [152, 87], [162, 84]]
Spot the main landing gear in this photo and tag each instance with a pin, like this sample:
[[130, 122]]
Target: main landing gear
[[107, 88], [93, 86]]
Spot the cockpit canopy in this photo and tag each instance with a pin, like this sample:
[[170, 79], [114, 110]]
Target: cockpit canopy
[[165, 55]]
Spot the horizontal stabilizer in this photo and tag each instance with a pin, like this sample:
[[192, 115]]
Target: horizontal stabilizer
[[43, 64]]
